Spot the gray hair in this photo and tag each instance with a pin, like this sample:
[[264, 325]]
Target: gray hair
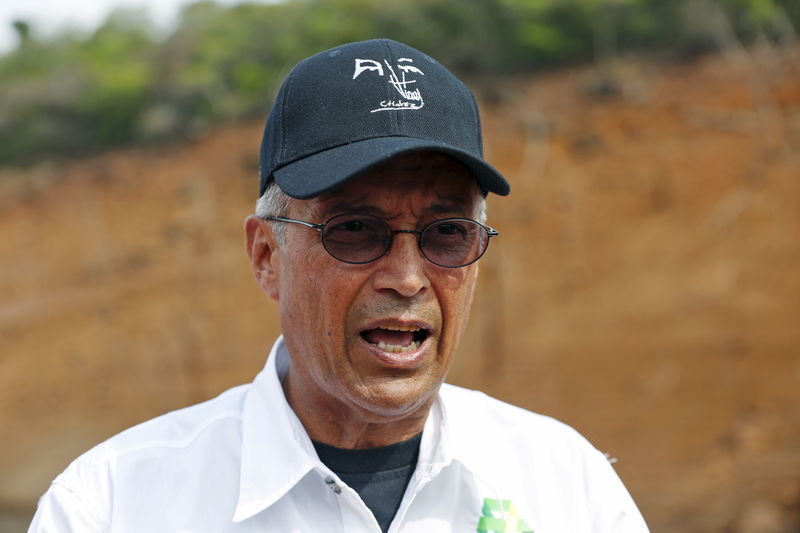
[[482, 209], [274, 202]]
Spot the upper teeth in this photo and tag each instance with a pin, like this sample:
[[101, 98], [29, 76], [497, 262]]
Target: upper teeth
[[401, 328]]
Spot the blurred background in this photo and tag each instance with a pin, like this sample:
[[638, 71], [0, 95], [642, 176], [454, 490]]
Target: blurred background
[[645, 288]]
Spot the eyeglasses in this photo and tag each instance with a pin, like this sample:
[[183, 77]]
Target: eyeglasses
[[359, 239]]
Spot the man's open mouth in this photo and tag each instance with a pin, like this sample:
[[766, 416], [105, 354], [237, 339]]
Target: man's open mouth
[[396, 339]]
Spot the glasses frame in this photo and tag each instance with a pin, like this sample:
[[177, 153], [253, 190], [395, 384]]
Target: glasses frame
[[491, 232]]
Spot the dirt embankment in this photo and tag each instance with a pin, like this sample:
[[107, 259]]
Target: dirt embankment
[[644, 289]]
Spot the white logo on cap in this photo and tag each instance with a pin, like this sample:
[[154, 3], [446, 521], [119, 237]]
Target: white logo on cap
[[409, 99]]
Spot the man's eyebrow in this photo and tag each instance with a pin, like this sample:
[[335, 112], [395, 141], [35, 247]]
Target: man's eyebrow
[[357, 205], [349, 206], [446, 207]]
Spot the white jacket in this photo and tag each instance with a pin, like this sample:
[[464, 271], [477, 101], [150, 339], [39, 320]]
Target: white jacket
[[243, 462]]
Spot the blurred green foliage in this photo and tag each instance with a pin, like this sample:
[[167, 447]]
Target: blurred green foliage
[[74, 94]]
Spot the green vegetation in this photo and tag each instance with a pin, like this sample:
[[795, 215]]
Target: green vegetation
[[75, 94]]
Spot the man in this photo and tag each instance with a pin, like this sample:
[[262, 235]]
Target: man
[[367, 235]]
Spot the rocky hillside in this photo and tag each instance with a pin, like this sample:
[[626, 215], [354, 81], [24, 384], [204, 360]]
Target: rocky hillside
[[645, 288]]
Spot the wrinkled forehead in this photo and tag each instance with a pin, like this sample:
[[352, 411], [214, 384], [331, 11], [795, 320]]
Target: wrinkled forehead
[[422, 181]]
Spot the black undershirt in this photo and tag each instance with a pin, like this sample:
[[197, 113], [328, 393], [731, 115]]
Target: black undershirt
[[379, 475]]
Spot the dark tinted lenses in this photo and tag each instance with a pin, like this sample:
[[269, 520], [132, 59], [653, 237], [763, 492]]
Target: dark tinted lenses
[[451, 242], [454, 242], [356, 238]]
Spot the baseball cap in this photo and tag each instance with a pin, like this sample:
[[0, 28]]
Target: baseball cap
[[343, 111]]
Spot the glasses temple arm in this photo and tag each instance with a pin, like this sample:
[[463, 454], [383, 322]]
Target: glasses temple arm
[[294, 221]]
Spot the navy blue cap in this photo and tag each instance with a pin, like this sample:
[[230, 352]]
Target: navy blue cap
[[344, 111]]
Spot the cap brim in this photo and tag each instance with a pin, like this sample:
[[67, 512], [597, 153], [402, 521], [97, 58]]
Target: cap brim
[[325, 171]]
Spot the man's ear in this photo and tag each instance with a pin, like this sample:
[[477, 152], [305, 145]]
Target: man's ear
[[262, 250]]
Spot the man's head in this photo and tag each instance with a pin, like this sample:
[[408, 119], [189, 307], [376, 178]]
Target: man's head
[[372, 307]]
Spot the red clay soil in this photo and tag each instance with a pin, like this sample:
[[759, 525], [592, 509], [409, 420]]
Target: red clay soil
[[645, 287]]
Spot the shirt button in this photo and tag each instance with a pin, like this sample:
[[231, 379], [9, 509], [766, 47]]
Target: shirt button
[[332, 485]]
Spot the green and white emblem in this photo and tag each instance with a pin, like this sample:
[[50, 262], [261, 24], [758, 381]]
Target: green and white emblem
[[501, 516]]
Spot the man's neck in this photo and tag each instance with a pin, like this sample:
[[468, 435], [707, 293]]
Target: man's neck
[[343, 426]]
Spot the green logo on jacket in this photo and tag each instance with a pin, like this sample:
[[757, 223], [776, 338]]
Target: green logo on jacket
[[501, 516]]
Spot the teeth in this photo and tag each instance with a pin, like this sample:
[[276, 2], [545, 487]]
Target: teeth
[[398, 349], [401, 328]]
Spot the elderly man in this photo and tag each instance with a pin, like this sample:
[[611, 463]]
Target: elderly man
[[367, 234]]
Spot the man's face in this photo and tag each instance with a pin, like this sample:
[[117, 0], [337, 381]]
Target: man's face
[[334, 315]]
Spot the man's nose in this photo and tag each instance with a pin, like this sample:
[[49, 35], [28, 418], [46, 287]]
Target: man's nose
[[403, 269]]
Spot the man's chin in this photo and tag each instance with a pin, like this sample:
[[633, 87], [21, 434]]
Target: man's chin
[[391, 398]]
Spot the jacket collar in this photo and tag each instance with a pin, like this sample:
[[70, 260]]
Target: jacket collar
[[276, 450], [467, 436]]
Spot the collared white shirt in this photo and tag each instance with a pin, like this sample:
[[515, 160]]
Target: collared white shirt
[[243, 462]]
